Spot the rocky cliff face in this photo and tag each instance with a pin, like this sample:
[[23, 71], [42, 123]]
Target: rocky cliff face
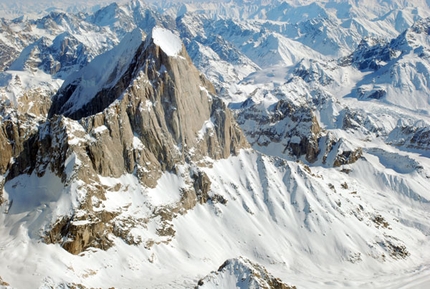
[[154, 113], [161, 102], [294, 127], [291, 129]]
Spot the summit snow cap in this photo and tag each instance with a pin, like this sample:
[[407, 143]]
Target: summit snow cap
[[169, 42]]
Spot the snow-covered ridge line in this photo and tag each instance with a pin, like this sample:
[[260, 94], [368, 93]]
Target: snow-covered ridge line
[[103, 72], [169, 42]]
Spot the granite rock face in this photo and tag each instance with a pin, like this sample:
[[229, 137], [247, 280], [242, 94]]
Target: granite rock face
[[154, 112], [165, 103]]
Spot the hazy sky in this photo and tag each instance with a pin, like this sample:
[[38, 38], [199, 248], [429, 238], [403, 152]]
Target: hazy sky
[[14, 8], [50, 3]]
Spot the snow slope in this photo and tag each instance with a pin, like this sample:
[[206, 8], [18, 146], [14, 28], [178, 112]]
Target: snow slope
[[308, 227], [103, 72], [170, 43]]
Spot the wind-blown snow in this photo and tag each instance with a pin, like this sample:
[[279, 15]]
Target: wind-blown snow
[[170, 43]]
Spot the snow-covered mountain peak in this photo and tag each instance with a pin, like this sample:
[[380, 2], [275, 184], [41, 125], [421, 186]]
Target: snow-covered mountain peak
[[104, 16], [397, 70], [412, 38], [169, 42], [419, 33], [241, 273]]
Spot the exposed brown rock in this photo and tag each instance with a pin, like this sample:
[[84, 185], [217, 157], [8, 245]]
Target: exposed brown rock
[[6, 150], [294, 127], [161, 113], [17, 136], [394, 247], [347, 157], [76, 234], [3, 283], [412, 136], [158, 93], [35, 101], [7, 55], [202, 185]]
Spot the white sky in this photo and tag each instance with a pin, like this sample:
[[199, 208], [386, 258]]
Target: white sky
[[11, 9], [15, 8]]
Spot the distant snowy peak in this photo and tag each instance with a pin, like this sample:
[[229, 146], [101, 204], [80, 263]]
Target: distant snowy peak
[[373, 53], [169, 42], [121, 19], [418, 35], [287, 13], [107, 78], [59, 57], [397, 70], [117, 18], [241, 273]]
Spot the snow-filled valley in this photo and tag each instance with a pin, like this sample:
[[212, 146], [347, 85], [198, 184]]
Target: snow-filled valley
[[231, 144]]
